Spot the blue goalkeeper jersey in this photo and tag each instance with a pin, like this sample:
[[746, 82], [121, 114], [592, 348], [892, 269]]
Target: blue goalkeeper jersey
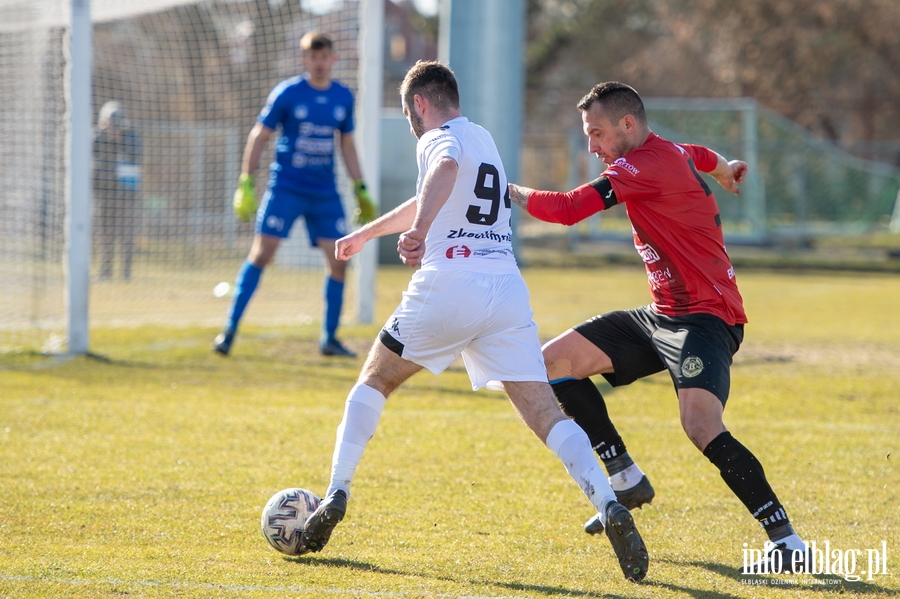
[[304, 154]]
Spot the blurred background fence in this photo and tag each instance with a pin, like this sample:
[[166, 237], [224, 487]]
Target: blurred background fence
[[799, 188], [193, 74], [191, 78]]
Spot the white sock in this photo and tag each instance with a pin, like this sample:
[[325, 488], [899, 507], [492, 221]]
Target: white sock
[[361, 415], [570, 443], [793, 543], [627, 478]]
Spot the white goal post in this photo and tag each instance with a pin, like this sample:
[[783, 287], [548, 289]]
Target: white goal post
[[78, 178]]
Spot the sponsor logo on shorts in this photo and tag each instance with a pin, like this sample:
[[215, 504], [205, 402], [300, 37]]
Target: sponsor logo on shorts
[[458, 251], [395, 325], [273, 222], [692, 366], [341, 226]]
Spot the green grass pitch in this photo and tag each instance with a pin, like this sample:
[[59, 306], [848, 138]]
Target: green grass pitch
[[141, 471]]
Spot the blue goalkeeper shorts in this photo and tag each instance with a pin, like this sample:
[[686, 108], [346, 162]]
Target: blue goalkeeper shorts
[[324, 215]]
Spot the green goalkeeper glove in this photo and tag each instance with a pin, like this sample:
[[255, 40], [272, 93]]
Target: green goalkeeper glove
[[366, 211], [245, 204]]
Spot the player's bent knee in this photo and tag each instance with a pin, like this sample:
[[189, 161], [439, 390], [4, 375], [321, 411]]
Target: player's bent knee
[[559, 369], [571, 355], [372, 376], [701, 426]]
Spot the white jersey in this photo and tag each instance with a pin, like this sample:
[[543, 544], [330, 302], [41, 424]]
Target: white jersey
[[472, 230]]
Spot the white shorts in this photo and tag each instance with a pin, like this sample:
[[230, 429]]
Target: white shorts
[[486, 318]]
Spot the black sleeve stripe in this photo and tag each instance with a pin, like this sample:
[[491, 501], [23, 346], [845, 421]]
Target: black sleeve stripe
[[389, 342], [718, 220], [604, 188]]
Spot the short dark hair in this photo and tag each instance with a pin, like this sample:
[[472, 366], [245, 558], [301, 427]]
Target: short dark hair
[[432, 80], [617, 100], [315, 40]]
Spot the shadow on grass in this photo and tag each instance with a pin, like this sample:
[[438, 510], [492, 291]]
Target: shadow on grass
[[514, 586], [320, 368], [757, 360], [698, 593], [37, 361], [806, 582], [122, 363], [31, 360]]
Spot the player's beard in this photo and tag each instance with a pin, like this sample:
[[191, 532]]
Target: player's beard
[[418, 126], [621, 147]]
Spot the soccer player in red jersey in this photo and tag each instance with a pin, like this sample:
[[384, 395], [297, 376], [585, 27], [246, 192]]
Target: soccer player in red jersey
[[695, 323]]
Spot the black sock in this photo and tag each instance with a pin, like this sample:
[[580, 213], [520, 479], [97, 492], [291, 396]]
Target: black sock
[[744, 475], [582, 402]]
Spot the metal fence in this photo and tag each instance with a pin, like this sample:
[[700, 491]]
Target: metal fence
[[798, 187]]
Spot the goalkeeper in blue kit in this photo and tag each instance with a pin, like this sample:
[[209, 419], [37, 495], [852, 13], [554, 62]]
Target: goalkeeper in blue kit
[[314, 113]]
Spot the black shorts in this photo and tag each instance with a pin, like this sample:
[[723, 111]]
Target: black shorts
[[697, 349]]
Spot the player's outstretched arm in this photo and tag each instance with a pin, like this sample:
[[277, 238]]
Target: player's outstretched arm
[[397, 220], [729, 174], [565, 208], [518, 194]]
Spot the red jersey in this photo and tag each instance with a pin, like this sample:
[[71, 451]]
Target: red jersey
[[675, 221]]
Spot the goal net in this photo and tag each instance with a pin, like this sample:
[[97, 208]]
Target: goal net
[[189, 78]]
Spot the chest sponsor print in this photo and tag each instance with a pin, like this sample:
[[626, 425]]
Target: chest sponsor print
[[458, 251], [625, 165]]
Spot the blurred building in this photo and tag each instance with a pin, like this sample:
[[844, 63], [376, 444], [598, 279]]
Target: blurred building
[[408, 36]]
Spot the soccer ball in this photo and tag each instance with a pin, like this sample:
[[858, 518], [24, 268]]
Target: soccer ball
[[284, 516]]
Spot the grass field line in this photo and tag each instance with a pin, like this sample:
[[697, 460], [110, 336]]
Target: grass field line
[[237, 588]]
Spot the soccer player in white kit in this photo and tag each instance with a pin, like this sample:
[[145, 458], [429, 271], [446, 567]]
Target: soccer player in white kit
[[468, 298]]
